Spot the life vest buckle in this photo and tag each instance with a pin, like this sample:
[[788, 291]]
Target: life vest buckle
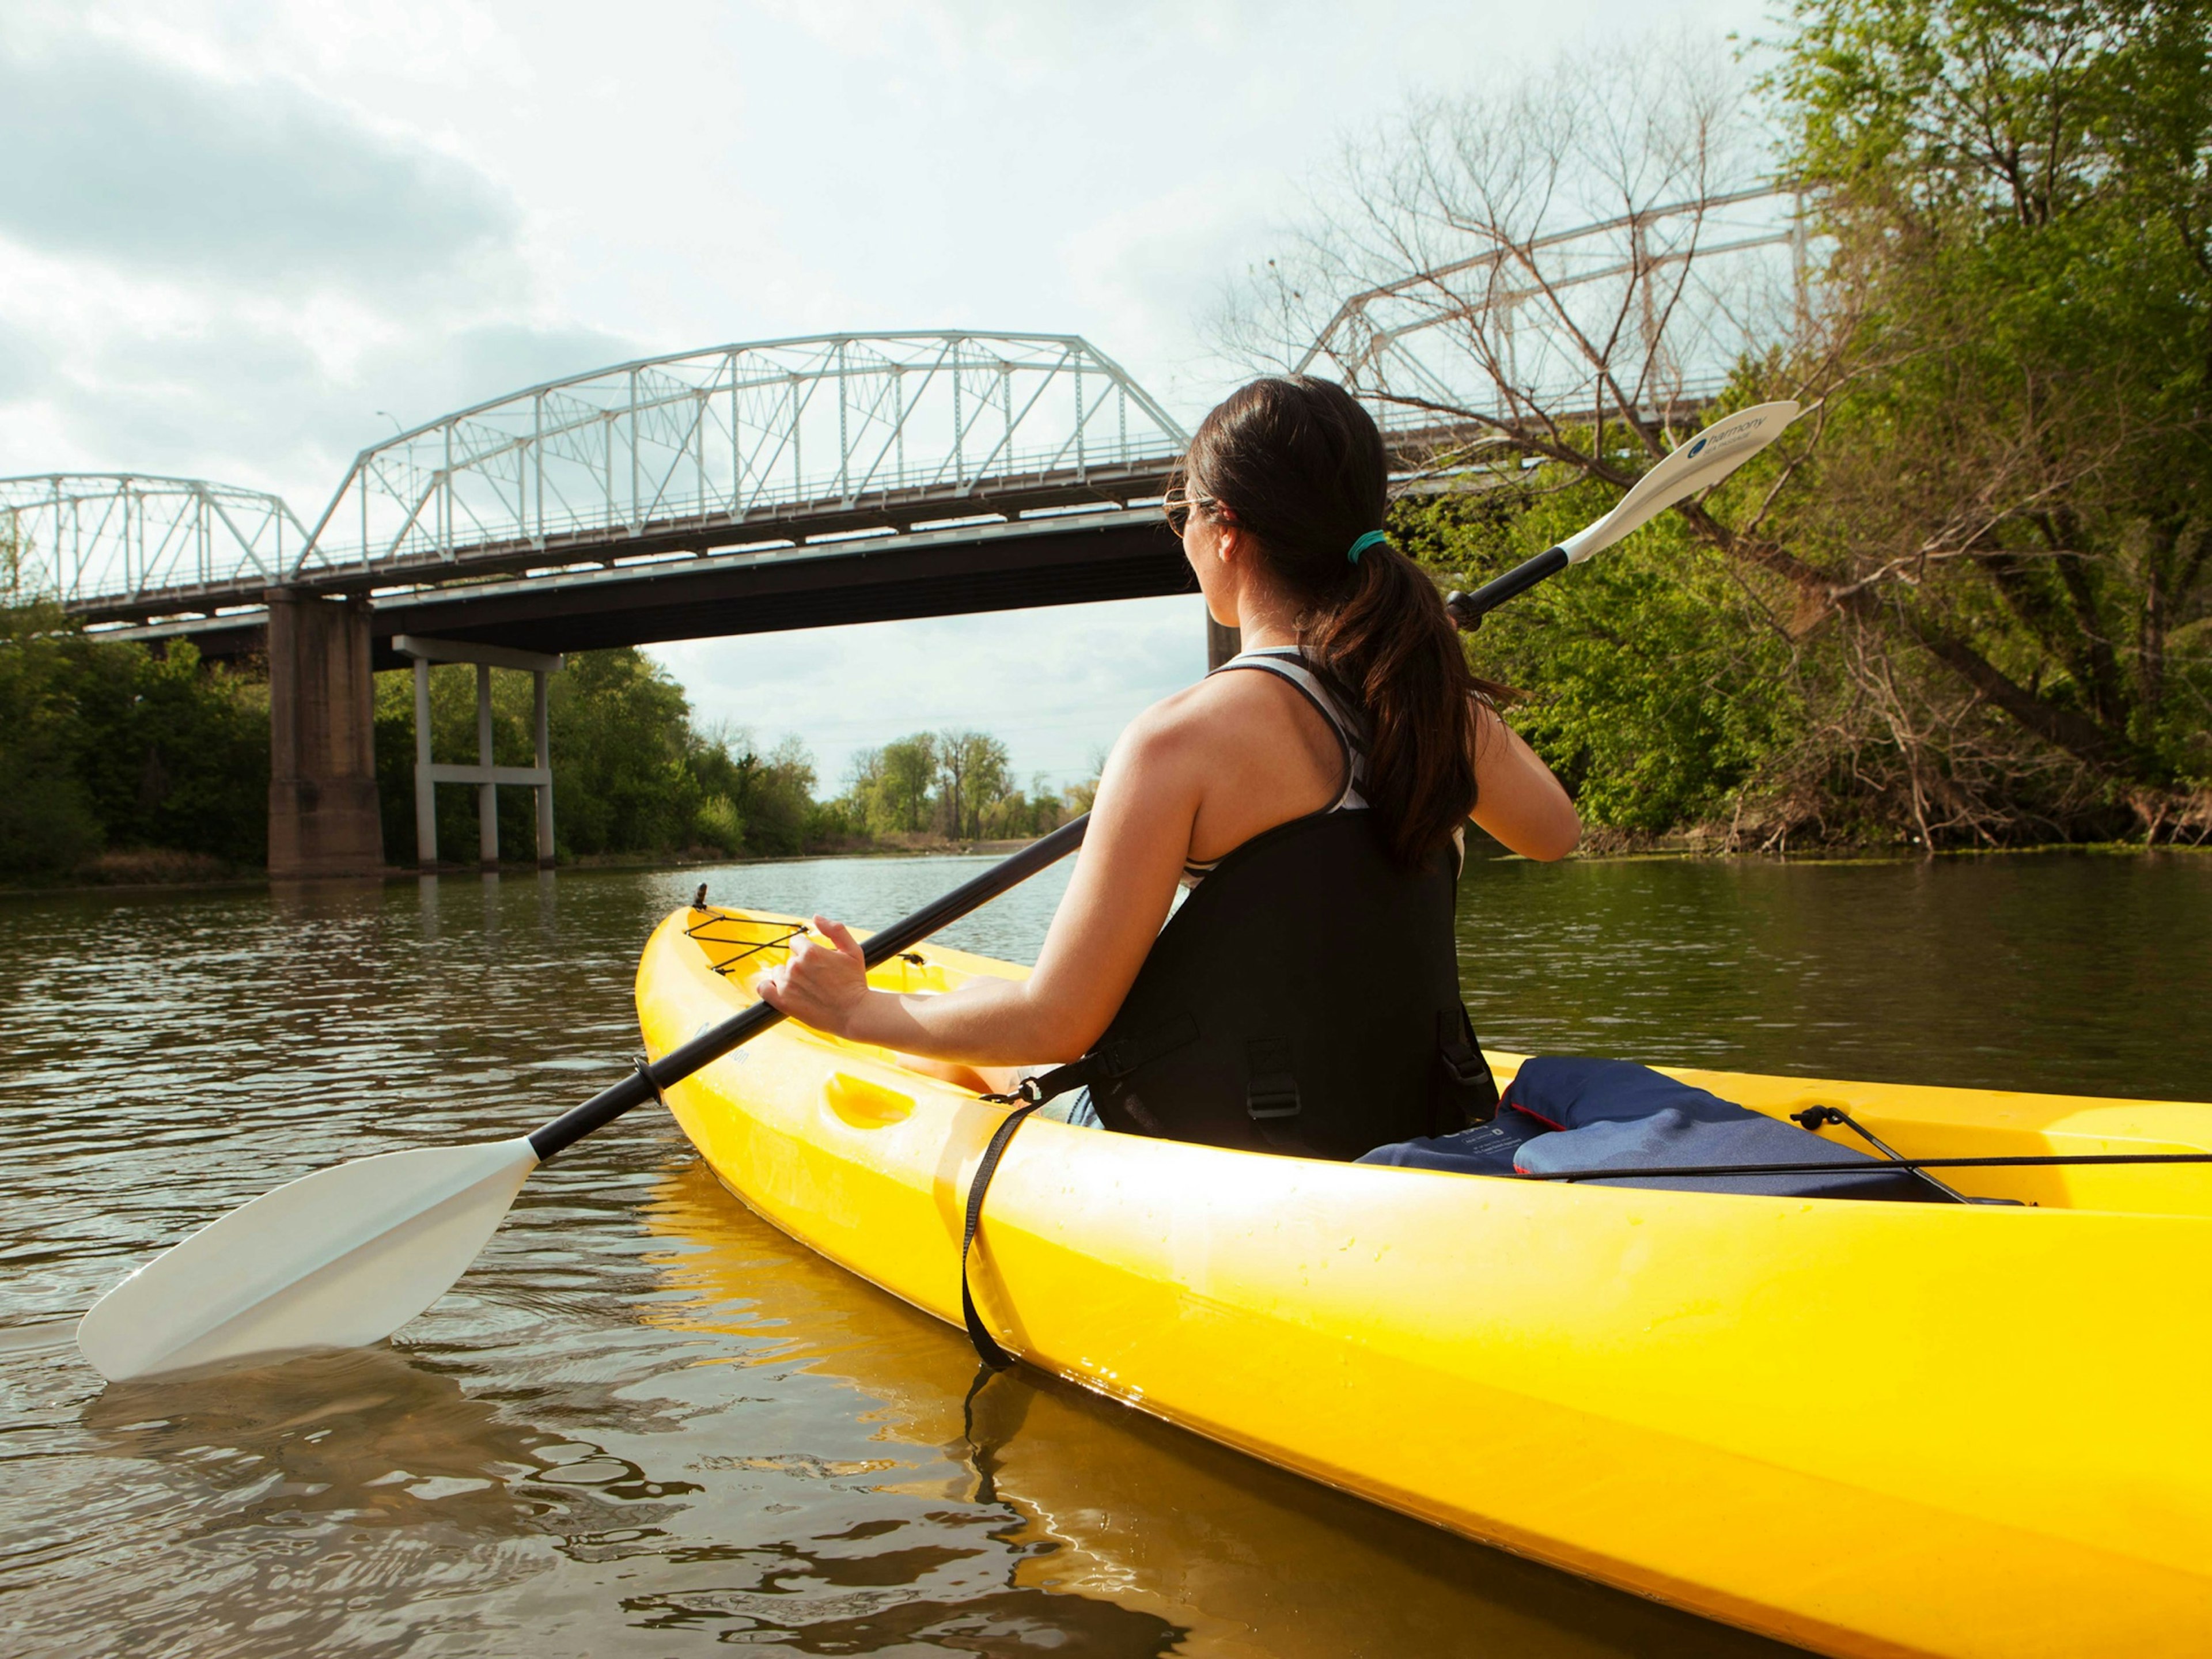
[[1463, 1066], [1272, 1093]]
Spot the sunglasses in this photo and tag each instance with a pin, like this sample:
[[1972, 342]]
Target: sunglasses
[[1179, 503]]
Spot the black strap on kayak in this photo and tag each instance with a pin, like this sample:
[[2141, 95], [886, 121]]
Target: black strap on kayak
[[1814, 1117], [982, 1457], [986, 1346]]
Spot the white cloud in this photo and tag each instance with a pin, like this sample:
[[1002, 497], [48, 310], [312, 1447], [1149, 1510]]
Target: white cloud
[[215, 269], [147, 164]]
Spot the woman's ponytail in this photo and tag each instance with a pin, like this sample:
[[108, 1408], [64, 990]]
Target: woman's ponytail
[[1300, 467]]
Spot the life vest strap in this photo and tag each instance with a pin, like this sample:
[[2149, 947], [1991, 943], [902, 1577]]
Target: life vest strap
[[1104, 1064]]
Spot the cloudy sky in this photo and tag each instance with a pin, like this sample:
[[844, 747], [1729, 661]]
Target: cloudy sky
[[240, 241]]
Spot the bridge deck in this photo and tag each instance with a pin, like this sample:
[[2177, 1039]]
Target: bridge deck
[[1117, 553]]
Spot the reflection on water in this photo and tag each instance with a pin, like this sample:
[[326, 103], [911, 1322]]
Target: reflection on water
[[2078, 973], [646, 1423]]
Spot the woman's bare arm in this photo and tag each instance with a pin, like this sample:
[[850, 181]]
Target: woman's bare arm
[[1518, 802], [1116, 900]]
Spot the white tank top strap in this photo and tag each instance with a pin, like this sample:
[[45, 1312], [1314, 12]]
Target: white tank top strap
[[1287, 662]]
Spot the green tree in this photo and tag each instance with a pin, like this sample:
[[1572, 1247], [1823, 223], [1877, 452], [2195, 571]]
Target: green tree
[[47, 823], [972, 777], [890, 791], [909, 775], [175, 752], [2014, 475], [771, 796], [105, 745], [622, 777], [1644, 682]]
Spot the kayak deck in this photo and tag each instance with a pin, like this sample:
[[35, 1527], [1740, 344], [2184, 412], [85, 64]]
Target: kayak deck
[[1863, 1427]]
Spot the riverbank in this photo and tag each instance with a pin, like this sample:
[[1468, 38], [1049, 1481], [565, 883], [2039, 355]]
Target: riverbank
[[164, 871], [160, 870]]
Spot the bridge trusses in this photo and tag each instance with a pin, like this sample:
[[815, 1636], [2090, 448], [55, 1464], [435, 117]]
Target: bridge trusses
[[84, 537], [781, 440], [1651, 310], [812, 435]]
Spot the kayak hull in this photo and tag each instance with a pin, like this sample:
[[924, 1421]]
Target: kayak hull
[[1864, 1428]]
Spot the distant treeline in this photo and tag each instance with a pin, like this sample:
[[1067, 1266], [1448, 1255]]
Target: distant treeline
[[635, 772], [954, 785], [119, 764]]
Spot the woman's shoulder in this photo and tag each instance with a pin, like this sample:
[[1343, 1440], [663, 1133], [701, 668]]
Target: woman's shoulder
[[1197, 711], [1213, 730], [1176, 721]]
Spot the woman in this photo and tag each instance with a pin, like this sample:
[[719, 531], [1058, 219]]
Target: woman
[[1311, 792]]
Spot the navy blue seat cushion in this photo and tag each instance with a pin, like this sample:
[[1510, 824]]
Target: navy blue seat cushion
[[1566, 1112], [1487, 1149]]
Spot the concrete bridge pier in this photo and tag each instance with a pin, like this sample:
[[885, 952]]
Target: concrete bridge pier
[[1221, 644], [323, 816]]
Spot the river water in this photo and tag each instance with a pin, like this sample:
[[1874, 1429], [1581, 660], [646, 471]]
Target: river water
[[646, 1423]]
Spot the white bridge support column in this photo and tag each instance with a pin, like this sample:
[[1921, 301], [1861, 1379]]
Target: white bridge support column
[[487, 790], [484, 775], [426, 798]]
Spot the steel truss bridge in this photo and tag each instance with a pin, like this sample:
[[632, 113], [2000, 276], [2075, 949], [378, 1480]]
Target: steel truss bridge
[[848, 477], [787, 484], [1651, 308], [103, 543]]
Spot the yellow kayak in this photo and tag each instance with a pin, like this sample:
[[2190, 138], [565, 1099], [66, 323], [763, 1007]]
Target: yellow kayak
[[1865, 1428]]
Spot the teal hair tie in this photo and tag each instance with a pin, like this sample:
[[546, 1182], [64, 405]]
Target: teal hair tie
[[1372, 538]]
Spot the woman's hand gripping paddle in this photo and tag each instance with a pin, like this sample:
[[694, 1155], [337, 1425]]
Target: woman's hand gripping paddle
[[1698, 464], [345, 1256]]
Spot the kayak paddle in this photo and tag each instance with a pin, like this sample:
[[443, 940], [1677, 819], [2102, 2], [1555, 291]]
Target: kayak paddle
[[345, 1256], [1704, 460]]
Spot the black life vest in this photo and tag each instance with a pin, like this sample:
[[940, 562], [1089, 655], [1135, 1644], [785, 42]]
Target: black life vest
[[1304, 1000]]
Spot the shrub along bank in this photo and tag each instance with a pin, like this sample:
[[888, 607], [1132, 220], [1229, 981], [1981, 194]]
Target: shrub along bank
[[108, 752]]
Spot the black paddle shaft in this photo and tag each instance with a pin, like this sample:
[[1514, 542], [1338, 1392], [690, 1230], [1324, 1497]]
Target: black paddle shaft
[[648, 1081], [1469, 610]]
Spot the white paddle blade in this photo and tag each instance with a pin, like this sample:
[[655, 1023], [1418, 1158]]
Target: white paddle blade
[[1704, 460], [338, 1258]]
